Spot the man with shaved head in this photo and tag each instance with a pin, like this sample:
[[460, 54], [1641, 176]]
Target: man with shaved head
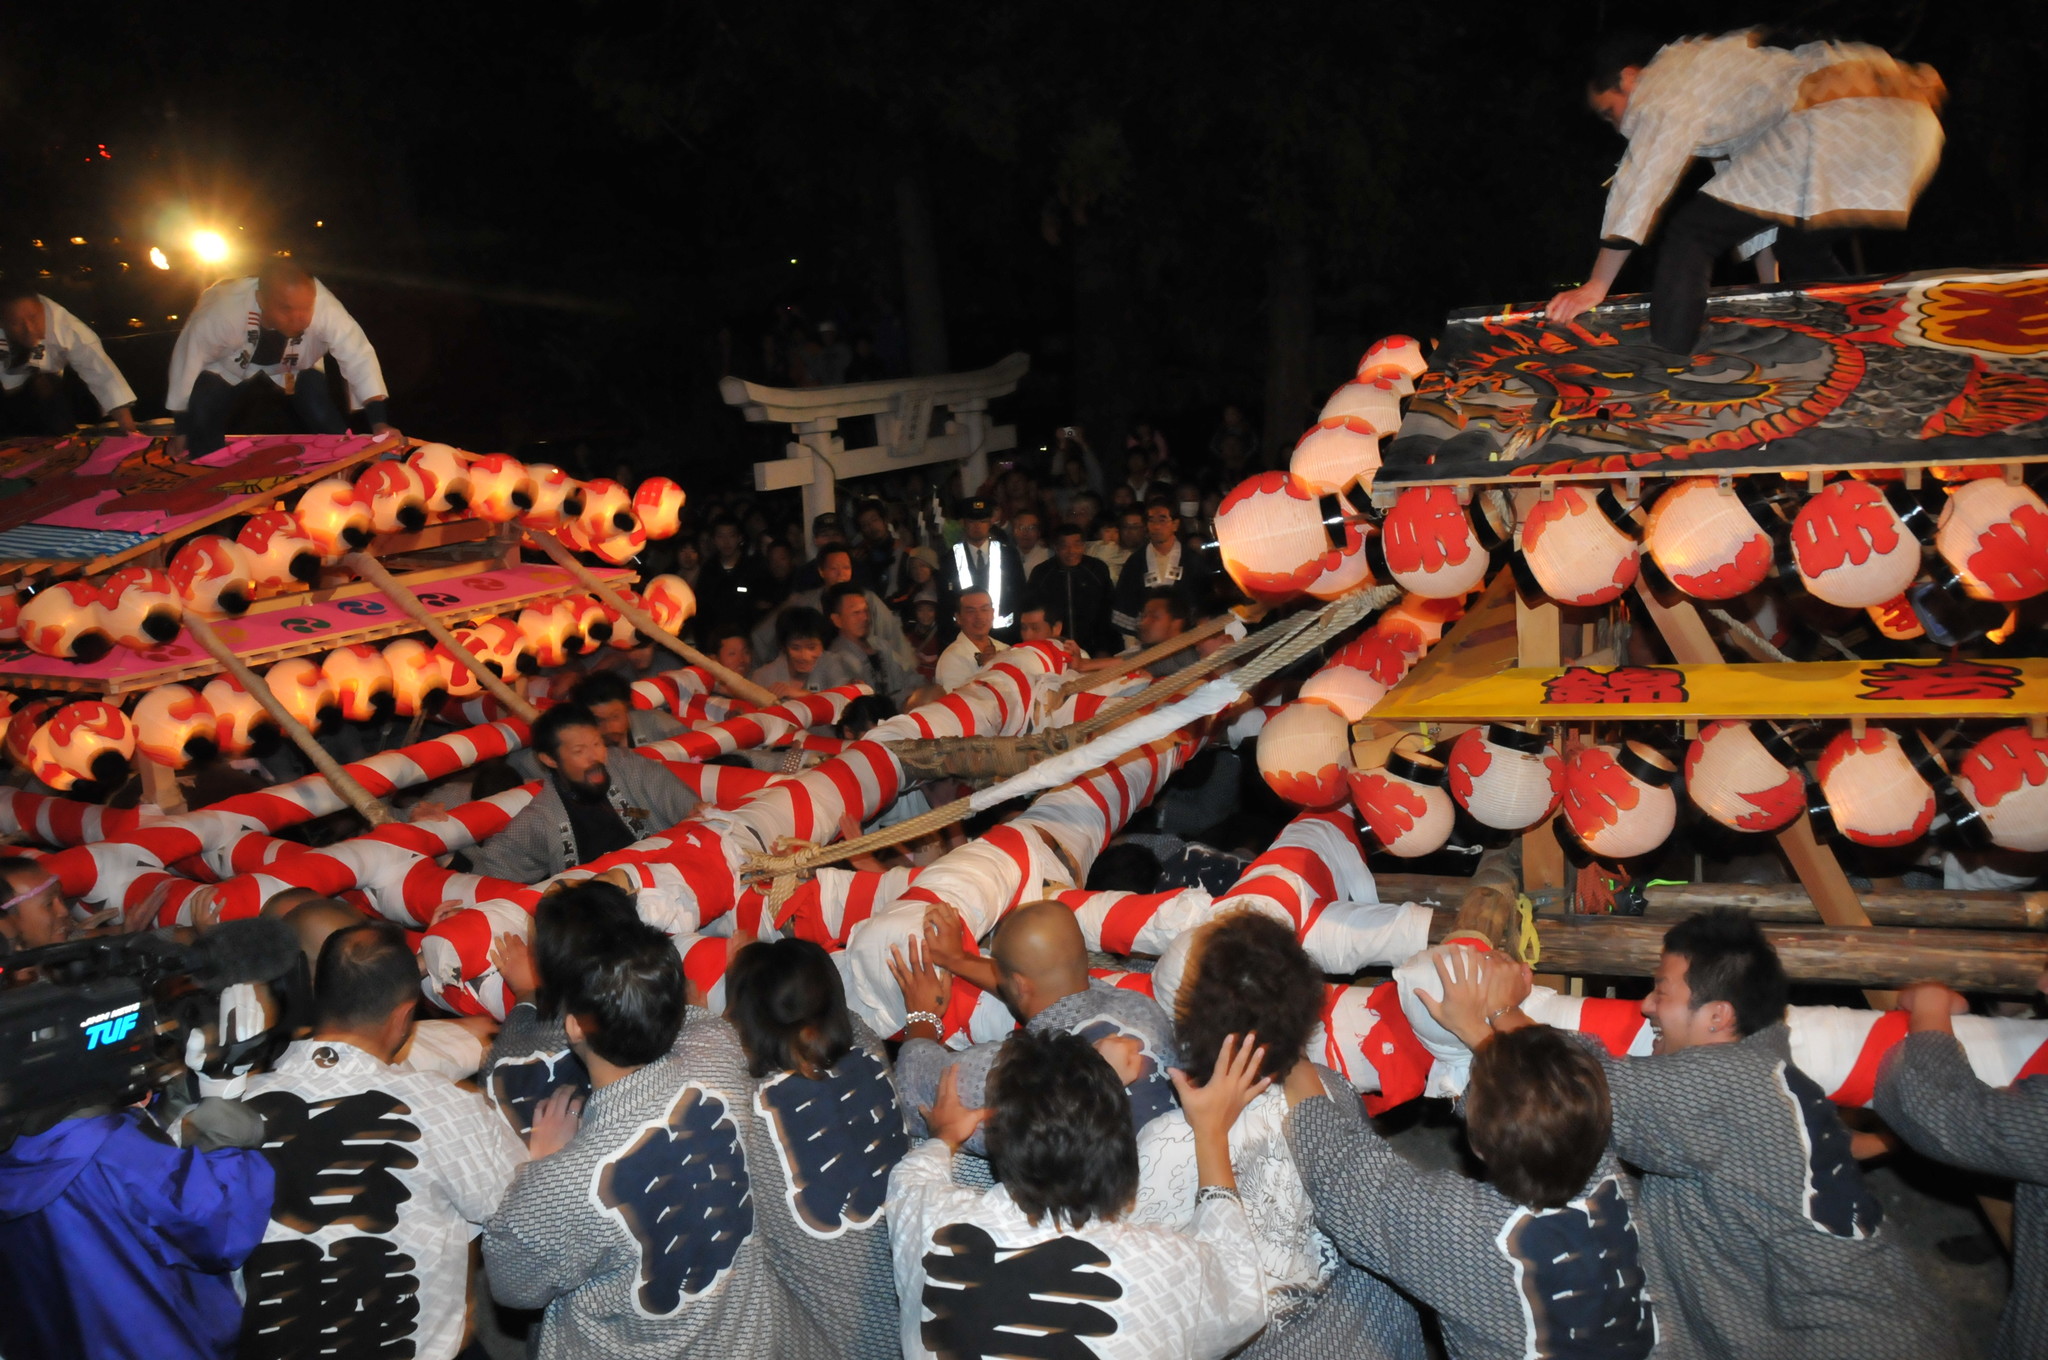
[[270, 332], [1038, 964]]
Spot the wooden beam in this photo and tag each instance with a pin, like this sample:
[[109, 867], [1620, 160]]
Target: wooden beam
[[1487, 911], [794, 405], [1790, 902]]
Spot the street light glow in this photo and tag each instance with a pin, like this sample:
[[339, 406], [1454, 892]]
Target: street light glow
[[157, 258], [210, 246]]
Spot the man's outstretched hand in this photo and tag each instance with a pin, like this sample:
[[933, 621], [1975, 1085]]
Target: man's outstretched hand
[[1575, 302]]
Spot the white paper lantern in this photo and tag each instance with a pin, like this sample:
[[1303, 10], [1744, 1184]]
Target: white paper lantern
[[1376, 401], [87, 740], [362, 681], [23, 723], [1996, 538], [1382, 653], [457, 680], [1304, 752], [546, 630], [141, 608], [175, 726], [659, 504], [1346, 688], [500, 488], [446, 474], [213, 576], [2005, 777], [335, 517], [1851, 547], [1745, 777], [498, 643], [669, 601], [556, 497], [1270, 532], [66, 620], [304, 690], [1400, 352], [240, 723], [1420, 621], [1875, 794], [1352, 566], [1574, 550], [397, 496], [1404, 804], [1430, 546], [415, 675], [1618, 800], [1707, 542], [1506, 778], [276, 551], [1335, 455]]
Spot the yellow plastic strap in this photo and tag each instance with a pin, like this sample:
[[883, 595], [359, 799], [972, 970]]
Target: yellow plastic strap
[[1529, 948]]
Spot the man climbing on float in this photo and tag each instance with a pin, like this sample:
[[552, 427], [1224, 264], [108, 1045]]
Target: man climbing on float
[[1807, 141]]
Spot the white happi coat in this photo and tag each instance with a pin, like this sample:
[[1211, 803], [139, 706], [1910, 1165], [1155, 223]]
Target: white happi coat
[[221, 334], [68, 343]]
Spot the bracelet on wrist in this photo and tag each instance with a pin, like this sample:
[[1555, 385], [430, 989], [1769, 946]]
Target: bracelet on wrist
[[1209, 1192], [1497, 1015], [921, 1017]]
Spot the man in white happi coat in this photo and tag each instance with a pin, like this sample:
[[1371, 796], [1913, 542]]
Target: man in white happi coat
[[39, 343]]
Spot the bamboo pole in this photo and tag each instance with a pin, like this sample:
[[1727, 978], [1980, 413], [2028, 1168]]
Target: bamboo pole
[[1789, 902], [733, 681], [1487, 910], [400, 594], [354, 794], [1137, 661]]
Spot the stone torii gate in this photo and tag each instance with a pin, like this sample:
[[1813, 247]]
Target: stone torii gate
[[902, 408]]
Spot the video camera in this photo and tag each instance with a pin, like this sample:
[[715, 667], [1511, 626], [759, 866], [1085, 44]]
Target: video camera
[[108, 1018]]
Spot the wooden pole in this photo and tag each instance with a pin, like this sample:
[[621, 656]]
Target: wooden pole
[[733, 681], [1137, 661], [371, 570], [357, 797], [2006, 962], [1789, 902], [1487, 911]]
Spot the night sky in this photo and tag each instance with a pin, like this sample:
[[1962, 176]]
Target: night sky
[[562, 223]]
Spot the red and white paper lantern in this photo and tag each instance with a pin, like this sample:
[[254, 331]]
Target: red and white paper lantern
[[87, 740], [1420, 621], [1349, 689], [335, 517], [1335, 455], [1706, 541], [1996, 538], [23, 723], [659, 504], [556, 497], [303, 688], [1876, 795], [1851, 547], [457, 679], [397, 495], [498, 643], [239, 721], [1574, 550], [1401, 353], [213, 576], [1304, 751], [1618, 799], [500, 488], [1430, 546], [141, 608], [1270, 532], [1404, 804], [276, 551], [362, 681], [669, 600], [66, 620], [1376, 401], [1897, 619], [175, 726], [2005, 777], [415, 675], [1506, 778], [1744, 777], [624, 635], [446, 475]]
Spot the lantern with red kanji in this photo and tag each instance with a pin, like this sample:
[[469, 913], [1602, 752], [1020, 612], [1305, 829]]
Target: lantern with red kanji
[[1706, 541], [1506, 778], [1335, 455], [669, 601], [500, 488], [1383, 653], [1270, 533], [1376, 401], [1404, 804], [175, 726], [446, 475], [2005, 777], [1430, 546], [624, 635], [1897, 619], [335, 517], [556, 497], [1401, 353], [88, 741], [1618, 799], [1574, 549], [67, 620], [498, 643], [1304, 751], [276, 551], [240, 723], [1878, 791], [213, 576], [457, 680], [658, 502], [362, 681], [23, 722], [1853, 548], [1349, 689], [141, 608], [546, 630], [1746, 777], [397, 497], [615, 545], [415, 675], [304, 689], [1996, 538]]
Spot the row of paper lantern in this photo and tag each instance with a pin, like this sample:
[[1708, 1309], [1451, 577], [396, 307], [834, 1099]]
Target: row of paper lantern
[[142, 608], [1854, 544], [65, 744], [1878, 788]]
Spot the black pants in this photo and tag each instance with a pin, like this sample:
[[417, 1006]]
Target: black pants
[[217, 403], [38, 406], [1700, 233]]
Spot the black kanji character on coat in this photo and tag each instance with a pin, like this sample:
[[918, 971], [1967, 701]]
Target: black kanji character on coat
[[363, 1301], [1040, 1292], [334, 1159], [1837, 1200], [839, 1138], [680, 1187], [519, 1085], [1581, 1273]]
